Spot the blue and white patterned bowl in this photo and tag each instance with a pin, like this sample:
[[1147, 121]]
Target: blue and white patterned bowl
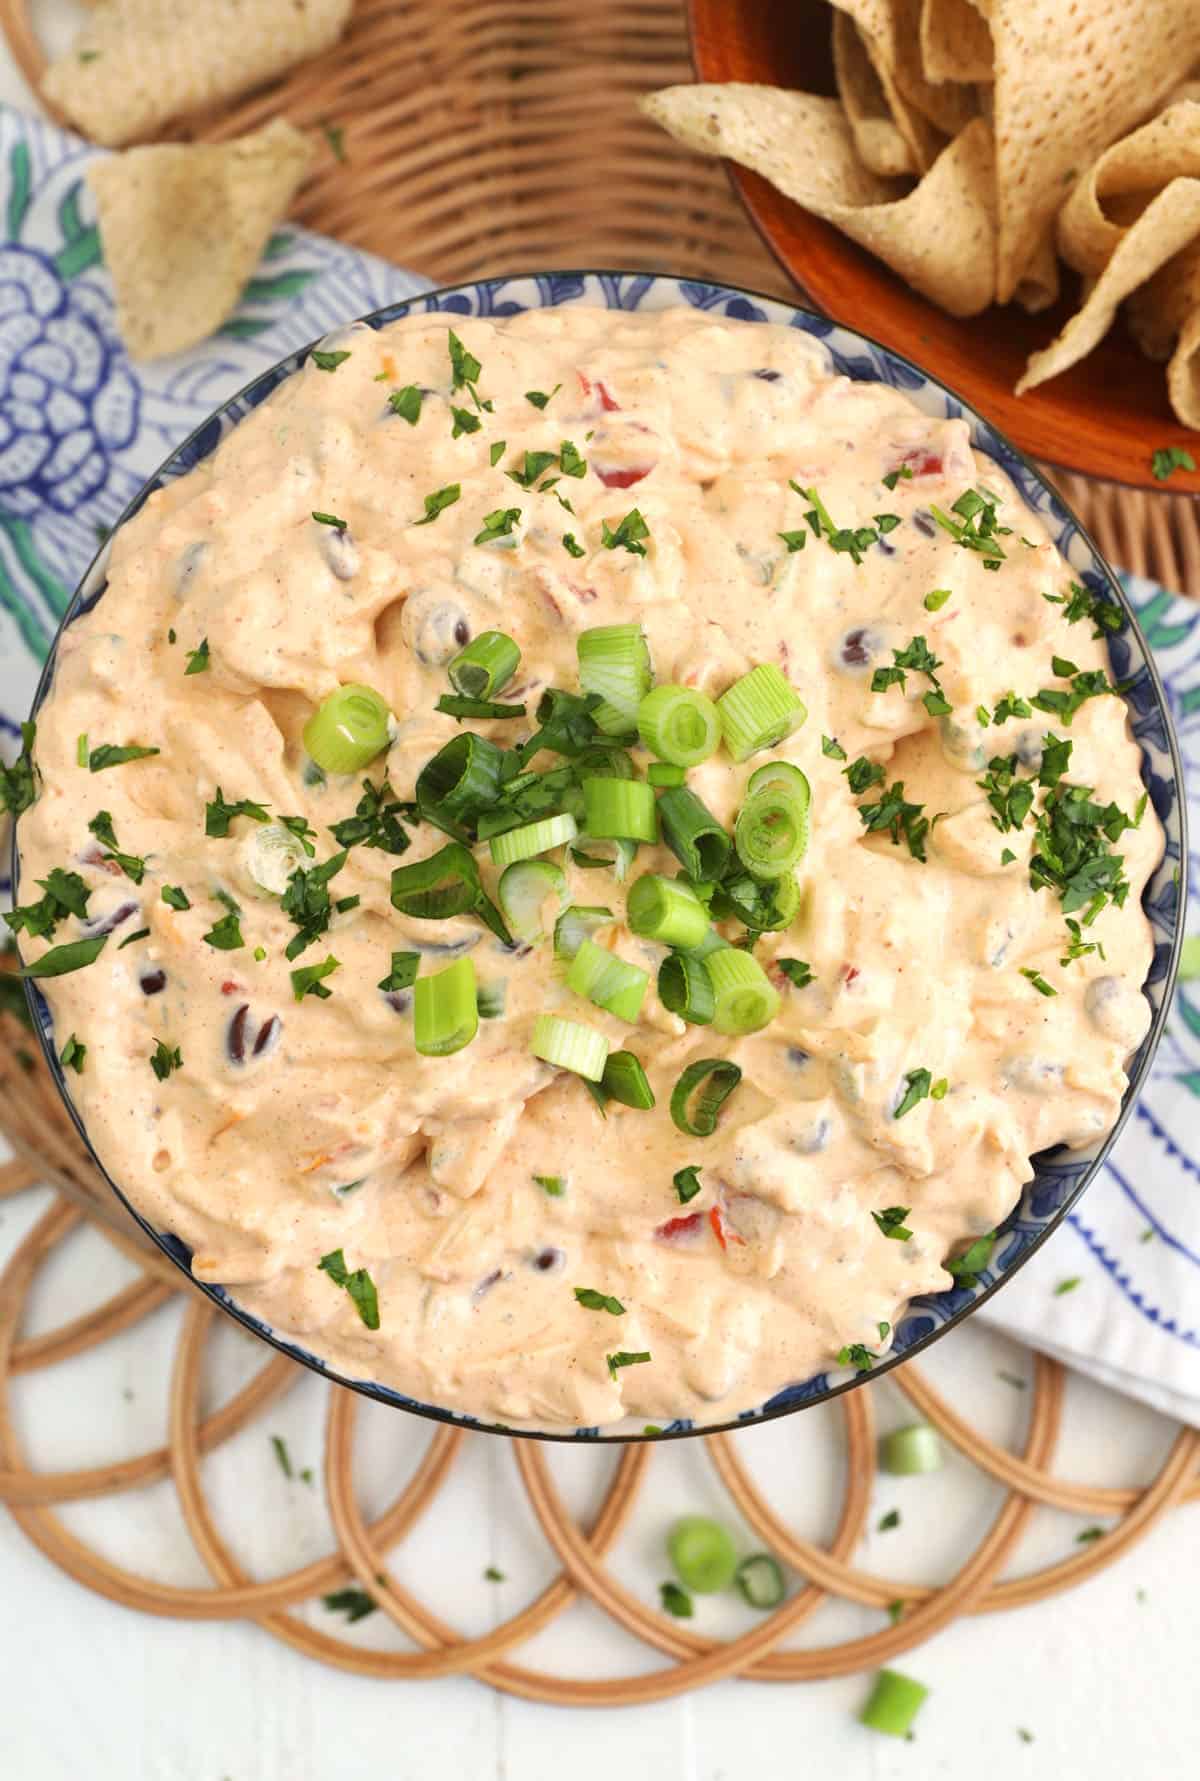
[[1061, 1175]]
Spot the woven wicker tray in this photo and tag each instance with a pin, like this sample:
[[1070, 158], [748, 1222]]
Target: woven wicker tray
[[473, 133]]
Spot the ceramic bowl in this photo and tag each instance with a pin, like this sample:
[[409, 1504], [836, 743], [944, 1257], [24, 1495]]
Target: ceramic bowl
[[1061, 1175]]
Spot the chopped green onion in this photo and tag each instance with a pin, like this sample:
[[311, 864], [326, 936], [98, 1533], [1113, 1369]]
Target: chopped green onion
[[771, 832], [445, 1010], [703, 1554], [603, 978], [523, 892], [1189, 959], [894, 1704], [686, 1183], [711, 1080], [536, 837], [624, 1080], [666, 910], [675, 1601], [601, 855], [619, 810], [663, 773], [403, 973], [763, 904], [693, 834], [569, 1045], [746, 999], [614, 664], [348, 729], [575, 925], [72, 956], [591, 1300], [712, 942], [909, 1451], [459, 782], [491, 999], [451, 705], [270, 854], [679, 725], [759, 710], [760, 1581], [685, 988], [445, 884], [554, 1185], [485, 666]]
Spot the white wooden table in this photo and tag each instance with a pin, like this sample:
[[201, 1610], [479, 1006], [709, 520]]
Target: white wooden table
[[1103, 1678]]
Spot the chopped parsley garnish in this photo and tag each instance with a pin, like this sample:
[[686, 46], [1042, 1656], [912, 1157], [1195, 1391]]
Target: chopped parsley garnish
[[218, 814], [569, 460], [71, 957], [1011, 798], [406, 403], [903, 473], [328, 361], [535, 463], [464, 367], [572, 546], [142, 934], [917, 656], [17, 788], [1011, 706], [967, 1267], [464, 421], [302, 829], [983, 716], [307, 902], [496, 452], [354, 1603], [889, 1521], [675, 1600], [66, 894], [1078, 947], [974, 526], [73, 1055], [1088, 1535], [862, 774], [887, 522], [1073, 854], [894, 815], [831, 747], [1062, 668], [307, 979], [1007, 856], [623, 1359], [1038, 981], [403, 973], [539, 398], [686, 1183], [81, 749], [108, 754], [226, 934], [628, 535], [438, 502], [918, 1084], [198, 659], [939, 1090], [1056, 757], [1090, 684], [852, 540], [1105, 614], [796, 972], [101, 826], [164, 1059], [1068, 1285], [330, 519], [794, 540], [376, 821], [591, 1300], [936, 598], [891, 1222], [358, 1284], [858, 1355], [497, 524], [1168, 458], [282, 1455], [552, 1185]]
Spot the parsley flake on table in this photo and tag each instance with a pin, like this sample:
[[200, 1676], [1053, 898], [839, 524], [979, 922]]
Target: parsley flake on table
[[101, 826], [1166, 459], [438, 503], [165, 1058], [628, 535], [109, 754], [1088, 1535], [591, 1300], [888, 1522], [358, 1284], [406, 403], [676, 1600], [198, 658], [623, 1358], [283, 1457], [353, 1602], [328, 361], [1068, 1285], [493, 1575], [307, 979], [891, 1222]]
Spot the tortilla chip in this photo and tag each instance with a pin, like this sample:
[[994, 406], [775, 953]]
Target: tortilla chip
[[1132, 212], [938, 238], [892, 31], [183, 227], [955, 41], [1065, 87], [1183, 373], [880, 142], [1038, 286], [135, 64]]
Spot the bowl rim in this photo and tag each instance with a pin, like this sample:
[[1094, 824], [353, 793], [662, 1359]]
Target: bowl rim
[[751, 1418]]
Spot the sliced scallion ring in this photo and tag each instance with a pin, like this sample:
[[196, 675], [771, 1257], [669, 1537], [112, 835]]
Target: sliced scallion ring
[[679, 725], [269, 855], [485, 666], [532, 838], [700, 1093], [703, 1554], [348, 729], [575, 925], [693, 833], [759, 711], [746, 999], [780, 773], [608, 981], [894, 1703], [624, 1080], [570, 1045], [760, 1581], [771, 831], [459, 782], [614, 663], [765, 905], [664, 909], [620, 810], [663, 773], [685, 988], [525, 889], [445, 1010]]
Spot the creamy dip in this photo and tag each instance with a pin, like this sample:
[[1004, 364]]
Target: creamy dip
[[886, 1115]]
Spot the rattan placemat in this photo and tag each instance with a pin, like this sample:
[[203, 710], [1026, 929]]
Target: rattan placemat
[[481, 137]]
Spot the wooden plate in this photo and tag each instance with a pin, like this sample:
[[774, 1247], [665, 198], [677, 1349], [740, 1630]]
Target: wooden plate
[[1104, 417]]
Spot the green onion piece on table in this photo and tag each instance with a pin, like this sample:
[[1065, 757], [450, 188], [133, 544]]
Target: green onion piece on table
[[664, 909], [485, 666], [1189, 959], [679, 725], [745, 997], [445, 1010], [693, 833], [685, 988], [614, 664], [619, 810], [348, 729], [624, 1080], [700, 1093], [575, 925], [570, 1045], [894, 1703], [524, 890], [908, 1452], [771, 832], [533, 838], [759, 711], [703, 1554], [603, 978], [760, 1581]]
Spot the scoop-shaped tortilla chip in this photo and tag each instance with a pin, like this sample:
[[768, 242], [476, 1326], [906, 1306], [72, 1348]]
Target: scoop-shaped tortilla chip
[[938, 238], [1183, 373], [183, 227], [1130, 214], [879, 140], [135, 64], [955, 41], [1068, 82], [892, 32]]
